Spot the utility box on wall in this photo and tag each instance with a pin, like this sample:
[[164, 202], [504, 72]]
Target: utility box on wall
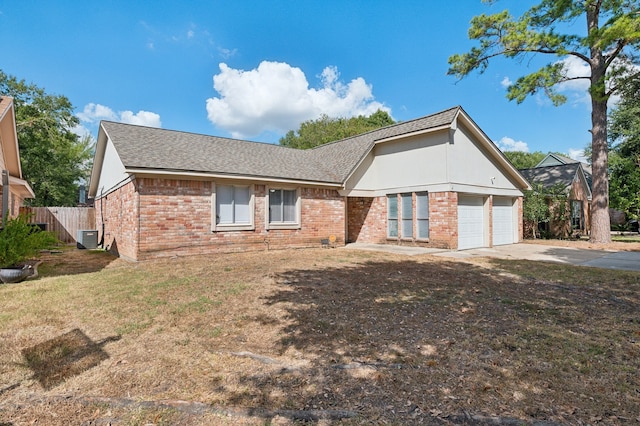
[[87, 239]]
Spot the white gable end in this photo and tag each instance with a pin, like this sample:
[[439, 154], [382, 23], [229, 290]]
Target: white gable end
[[472, 168], [403, 163], [444, 160], [112, 173]]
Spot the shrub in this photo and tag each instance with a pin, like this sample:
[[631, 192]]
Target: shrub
[[20, 240]]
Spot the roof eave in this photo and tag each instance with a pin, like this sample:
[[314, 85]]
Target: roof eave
[[24, 189], [146, 172], [98, 161]]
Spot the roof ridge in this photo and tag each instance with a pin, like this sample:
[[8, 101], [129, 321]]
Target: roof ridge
[[552, 165], [162, 129], [390, 126]]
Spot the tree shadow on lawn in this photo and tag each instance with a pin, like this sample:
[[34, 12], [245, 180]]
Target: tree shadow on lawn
[[410, 341], [72, 261], [58, 359]]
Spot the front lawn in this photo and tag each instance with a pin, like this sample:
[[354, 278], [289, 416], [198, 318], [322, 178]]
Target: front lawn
[[339, 335]]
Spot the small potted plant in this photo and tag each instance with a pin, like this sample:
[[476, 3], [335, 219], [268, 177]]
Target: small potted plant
[[20, 241]]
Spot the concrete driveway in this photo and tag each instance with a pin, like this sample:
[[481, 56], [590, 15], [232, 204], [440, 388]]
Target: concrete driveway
[[624, 260]]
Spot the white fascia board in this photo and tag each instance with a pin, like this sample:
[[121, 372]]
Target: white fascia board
[[583, 179], [98, 161], [485, 190], [14, 149], [416, 133], [440, 187], [199, 175]]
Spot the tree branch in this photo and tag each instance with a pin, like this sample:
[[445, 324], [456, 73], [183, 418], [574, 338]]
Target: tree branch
[[614, 54]]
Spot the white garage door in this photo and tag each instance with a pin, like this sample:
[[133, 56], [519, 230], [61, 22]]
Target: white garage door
[[502, 221], [470, 222]]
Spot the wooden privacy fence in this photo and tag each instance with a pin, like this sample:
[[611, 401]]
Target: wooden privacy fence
[[65, 222]]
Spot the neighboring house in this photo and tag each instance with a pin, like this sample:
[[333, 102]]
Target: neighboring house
[[576, 185], [14, 189], [436, 181], [558, 160]]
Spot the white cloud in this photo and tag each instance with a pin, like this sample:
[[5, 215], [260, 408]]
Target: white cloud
[[277, 97], [141, 118], [577, 154], [93, 113], [227, 53], [81, 131], [578, 89], [506, 82], [509, 144]]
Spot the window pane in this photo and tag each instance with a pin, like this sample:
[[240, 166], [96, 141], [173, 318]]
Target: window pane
[[393, 228], [407, 206], [407, 216], [289, 205], [422, 215], [242, 198], [422, 205], [224, 204], [407, 228], [275, 205], [392, 216], [423, 228], [392, 206]]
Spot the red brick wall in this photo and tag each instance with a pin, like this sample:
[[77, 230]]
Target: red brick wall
[[368, 221], [175, 219], [520, 220], [117, 211], [443, 219]]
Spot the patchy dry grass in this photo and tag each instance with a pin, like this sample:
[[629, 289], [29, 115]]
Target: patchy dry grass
[[342, 336]]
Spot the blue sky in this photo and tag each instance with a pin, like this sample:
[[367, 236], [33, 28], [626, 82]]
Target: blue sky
[[276, 64]]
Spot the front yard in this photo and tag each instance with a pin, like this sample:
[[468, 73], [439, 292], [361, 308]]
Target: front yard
[[343, 336]]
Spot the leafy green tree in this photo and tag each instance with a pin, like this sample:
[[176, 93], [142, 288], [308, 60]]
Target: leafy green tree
[[326, 129], [624, 164], [542, 205], [54, 159], [524, 160], [535, 207], [609, 47]]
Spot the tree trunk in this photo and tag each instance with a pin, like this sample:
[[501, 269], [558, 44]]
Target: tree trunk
[[600, 222]]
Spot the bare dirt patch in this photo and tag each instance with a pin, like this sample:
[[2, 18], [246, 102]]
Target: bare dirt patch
[[322, 335]]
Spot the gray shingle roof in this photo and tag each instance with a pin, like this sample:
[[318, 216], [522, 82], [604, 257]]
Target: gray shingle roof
[[159, 149], [551, 175]]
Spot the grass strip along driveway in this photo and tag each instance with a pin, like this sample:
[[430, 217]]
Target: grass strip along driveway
[[327, 335]]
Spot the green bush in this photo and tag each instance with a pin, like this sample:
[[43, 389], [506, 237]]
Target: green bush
[[20, 240]]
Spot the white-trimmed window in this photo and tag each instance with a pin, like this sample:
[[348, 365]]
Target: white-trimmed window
[[405, 219], [422, 215], [406, 211], [233, 208], [392, 216], [284, 208]]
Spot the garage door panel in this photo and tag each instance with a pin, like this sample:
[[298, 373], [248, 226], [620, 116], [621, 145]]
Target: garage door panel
[[502, 221], [470, 222]]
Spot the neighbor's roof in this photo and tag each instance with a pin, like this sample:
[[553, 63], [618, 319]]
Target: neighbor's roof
[[549, 176], [561, 159], [152, 149]]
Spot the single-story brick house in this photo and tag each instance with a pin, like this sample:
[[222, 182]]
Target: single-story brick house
[[14, 189], [575, 182], [436, 181]]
